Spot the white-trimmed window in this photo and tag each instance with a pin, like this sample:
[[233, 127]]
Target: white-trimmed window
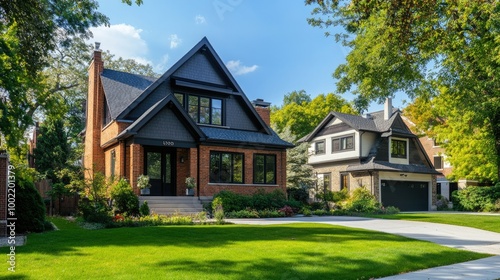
[[398, 150], [319, 147]]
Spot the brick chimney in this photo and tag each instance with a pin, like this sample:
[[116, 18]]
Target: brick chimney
[[388, 108], [263, 109], [93, 153]]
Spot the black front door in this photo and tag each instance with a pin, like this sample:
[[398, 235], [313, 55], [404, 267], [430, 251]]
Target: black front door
[[159, 166]]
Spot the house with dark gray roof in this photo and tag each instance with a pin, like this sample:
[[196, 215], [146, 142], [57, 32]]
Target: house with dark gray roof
[[376, 151], [193, 121]]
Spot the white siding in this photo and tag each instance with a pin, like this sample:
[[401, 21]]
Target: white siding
[[328, 155]]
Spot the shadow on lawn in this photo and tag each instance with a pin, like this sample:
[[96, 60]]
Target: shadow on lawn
[[69, 242], [300, 266]]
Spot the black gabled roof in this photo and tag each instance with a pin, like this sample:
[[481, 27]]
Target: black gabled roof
[[216, 134], [153, 110], [370, 122], [121, 88], [124, 91]]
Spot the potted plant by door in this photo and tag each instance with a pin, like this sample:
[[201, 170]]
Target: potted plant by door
[[190, 185], [143, 184]]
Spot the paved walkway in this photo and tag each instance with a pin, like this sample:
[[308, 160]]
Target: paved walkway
[[447, 235]]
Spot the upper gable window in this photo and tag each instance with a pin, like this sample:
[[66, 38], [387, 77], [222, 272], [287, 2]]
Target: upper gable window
[[179, 97], [205, 110], [399, 148], [341, 144], [319, 147]]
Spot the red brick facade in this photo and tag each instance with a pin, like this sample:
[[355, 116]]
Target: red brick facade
[[125, 157]]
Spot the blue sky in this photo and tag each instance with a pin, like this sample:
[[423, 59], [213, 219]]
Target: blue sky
[[268, 45]]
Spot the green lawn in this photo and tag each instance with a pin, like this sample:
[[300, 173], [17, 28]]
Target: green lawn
[[485, 222], [298, 251]]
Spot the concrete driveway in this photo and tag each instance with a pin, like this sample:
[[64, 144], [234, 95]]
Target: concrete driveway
[[459, 237]]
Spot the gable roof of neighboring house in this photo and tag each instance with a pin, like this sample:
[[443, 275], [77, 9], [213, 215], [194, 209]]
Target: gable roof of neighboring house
[[373, 122]]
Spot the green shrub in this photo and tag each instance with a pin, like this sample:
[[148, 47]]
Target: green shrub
[[124, 198], [30, 209], [361, 201], [144, 209], [273, 200], [260, 200], [389, 210], [442, 203], [270, 213], [218, 210], [248, 213], [94, 211], [477, 199], [320, 212], [232, 201], [307, 212], [298, 194]]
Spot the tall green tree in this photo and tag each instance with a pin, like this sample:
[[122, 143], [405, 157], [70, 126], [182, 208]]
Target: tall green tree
[[301, 114], [422, 48], [299, 174], [52, 150]]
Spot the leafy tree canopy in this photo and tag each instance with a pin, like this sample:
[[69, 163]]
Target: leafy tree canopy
[[425, 49], [301, 114]]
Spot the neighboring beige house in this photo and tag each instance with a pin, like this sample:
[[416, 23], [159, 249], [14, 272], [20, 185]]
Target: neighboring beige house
[[377, 151]]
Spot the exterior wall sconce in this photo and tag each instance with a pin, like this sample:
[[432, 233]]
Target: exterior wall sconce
[[182, 159]]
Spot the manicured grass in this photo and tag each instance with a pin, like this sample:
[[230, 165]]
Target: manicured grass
[[298, 251], [485, 222]]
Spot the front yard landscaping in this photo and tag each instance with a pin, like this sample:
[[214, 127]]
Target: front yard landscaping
[[298, 251]]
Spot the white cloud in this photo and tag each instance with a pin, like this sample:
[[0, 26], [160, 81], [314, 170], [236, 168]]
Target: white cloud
[[122, 40], [199, 19], [161, 67], [174, 41], [237, 68]]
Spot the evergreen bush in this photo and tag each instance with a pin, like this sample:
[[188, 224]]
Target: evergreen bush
[[124, 199], [30, 209]]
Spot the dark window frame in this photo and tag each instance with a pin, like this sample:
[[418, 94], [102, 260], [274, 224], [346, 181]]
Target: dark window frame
[[440, 161], [266, 166], [318, 152], [396, 145], [200, 109], [343, 148], [344, 181], [217, 178]]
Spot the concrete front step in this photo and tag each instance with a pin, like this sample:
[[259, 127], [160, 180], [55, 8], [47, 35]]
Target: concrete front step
[[173, 204]]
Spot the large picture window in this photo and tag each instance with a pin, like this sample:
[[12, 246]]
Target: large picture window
[[398, 148], [264, 169], [226, 167], [341, 144], [205, 110]]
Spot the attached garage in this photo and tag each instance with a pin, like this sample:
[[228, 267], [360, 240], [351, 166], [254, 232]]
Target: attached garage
[[405, 195]]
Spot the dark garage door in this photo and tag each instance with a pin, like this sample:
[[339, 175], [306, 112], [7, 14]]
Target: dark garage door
[[407, 196]]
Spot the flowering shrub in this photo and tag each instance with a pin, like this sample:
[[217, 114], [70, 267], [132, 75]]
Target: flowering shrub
[[118, 218], [287, 211]]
